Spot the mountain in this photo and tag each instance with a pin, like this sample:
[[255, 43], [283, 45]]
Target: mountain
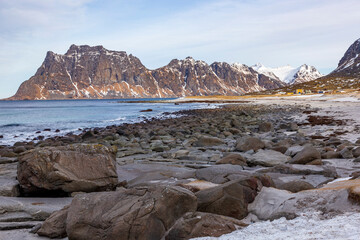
[[345, 76], [288, 74], [95, 72], [349, 64]]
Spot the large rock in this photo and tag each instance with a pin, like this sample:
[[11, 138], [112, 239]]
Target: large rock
[[138, 213], [296, 186], [273, 203], [232, 198], [198, 224], [72, 168], [234, 159], [55, 225], [306, 155], [249, 143], [266, 127], [267, 158], [205, 141]]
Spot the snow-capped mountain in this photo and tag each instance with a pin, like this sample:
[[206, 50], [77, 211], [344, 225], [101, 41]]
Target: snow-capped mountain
[[350, 62], [289, 74]]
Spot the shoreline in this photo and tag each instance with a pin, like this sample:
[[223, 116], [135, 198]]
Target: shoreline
[[203, 150]]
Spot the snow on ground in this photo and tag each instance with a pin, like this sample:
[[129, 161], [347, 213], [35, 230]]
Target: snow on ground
[[346, 99], [306, 227]]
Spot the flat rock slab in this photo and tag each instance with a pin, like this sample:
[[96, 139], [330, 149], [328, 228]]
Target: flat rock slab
[[22, 234], [153, 173], [267, 158], [34, 209], [221, 173]]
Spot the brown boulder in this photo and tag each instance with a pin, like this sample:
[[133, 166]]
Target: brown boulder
[[266, 127], [296, 186], [71, 168], [250, 143], [208, 142], [308, 154], [138, 213], [198, 224], [55, 225], [234, 159], [232, 198]]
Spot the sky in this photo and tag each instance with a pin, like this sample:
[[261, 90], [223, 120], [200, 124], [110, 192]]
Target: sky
[[271, 32]]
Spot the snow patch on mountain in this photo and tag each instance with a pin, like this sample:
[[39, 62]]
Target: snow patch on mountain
[[289, 74]]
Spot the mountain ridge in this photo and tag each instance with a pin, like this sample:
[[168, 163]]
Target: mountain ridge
[[86, 72]]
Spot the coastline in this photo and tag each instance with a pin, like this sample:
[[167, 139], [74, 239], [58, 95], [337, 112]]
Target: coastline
[[202, 150]]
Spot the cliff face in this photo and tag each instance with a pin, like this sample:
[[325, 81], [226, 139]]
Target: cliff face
[[95, 72]]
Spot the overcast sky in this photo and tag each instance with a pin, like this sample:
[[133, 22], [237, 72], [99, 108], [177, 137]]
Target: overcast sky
[[274, 33]]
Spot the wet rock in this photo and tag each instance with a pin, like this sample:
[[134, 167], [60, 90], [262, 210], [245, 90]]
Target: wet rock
[[232, 198], [267, 158], [139, 213], [249, 143], [47, 130], [306, 155], [199, 224], [1, 136], [55, 225], [296, 186], [234, 159], [71, 168], [208, 142], [146, 110]]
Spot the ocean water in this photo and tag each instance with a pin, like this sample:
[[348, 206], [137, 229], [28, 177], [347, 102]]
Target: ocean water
[[20, 120]]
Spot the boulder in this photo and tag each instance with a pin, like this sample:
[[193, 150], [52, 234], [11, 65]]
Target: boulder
[[293, 150], [138, 213], [346, 153], [273, 203], [356, 152], [232, 198], [249, 143], [306, 155], [199, 224], [266, 127], [267, 158], [234, 159], [71, 168], [19, 149], [55, 225], [330, 155], [296, 186], [205, 141]]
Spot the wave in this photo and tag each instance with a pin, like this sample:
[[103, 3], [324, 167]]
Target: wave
[[11, 125], [116, 119]]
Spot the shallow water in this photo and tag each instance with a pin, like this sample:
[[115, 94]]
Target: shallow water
[[20, 120]]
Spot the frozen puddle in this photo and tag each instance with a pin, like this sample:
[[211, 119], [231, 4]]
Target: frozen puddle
[[306, 227]]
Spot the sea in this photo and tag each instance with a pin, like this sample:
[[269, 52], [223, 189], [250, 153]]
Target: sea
[[26, 120]]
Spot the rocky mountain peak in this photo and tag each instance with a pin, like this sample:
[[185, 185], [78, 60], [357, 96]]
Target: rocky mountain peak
[[351, 58]]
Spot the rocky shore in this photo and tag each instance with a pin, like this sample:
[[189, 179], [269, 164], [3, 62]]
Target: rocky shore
[[207, 172]]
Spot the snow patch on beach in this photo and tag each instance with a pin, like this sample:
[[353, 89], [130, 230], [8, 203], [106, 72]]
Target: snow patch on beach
[[306, 227]]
